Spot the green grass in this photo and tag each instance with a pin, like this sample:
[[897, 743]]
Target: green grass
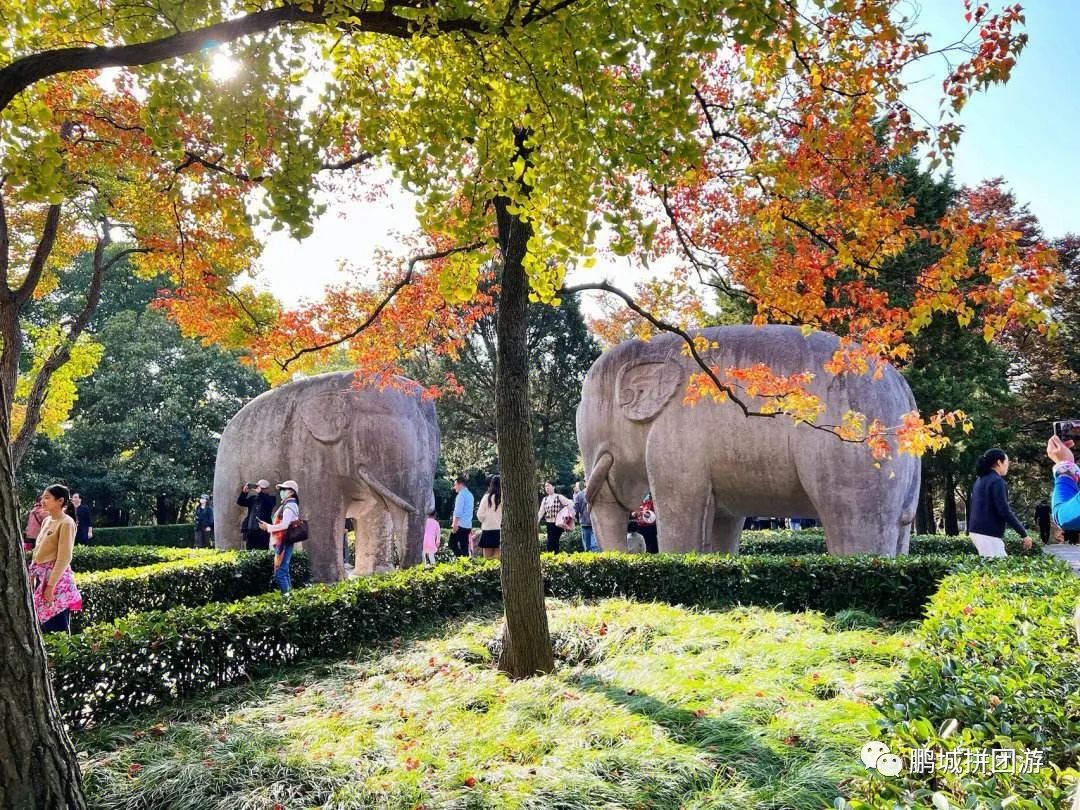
[[651, 706]]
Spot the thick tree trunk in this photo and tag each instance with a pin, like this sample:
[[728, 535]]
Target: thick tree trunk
[[38, 768], [952, 526], [526, 642]]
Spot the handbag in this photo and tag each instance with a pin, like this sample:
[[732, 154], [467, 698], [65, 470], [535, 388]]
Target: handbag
[[297, 531], [565, 518]]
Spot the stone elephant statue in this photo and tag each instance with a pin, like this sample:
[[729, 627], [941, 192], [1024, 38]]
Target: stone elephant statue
[[366, 453], [708, 466]]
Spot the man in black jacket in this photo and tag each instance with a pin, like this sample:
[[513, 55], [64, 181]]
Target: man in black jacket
[[84, 532], [260, 503]]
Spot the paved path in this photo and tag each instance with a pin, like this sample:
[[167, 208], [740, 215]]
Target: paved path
[[1070, 554]]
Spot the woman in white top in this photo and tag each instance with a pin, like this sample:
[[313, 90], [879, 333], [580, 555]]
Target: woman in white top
[[286, 513], [490, 513], [550, 507]]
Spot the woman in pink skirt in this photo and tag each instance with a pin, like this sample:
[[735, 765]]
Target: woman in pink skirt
[[55, 594]]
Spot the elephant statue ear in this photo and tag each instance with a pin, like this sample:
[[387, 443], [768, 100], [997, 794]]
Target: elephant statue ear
[[326, 416], [643, 389]]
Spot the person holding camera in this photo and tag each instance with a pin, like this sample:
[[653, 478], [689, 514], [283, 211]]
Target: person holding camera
[[260, 505], [990, 510], [283, 516], [1065, 501]]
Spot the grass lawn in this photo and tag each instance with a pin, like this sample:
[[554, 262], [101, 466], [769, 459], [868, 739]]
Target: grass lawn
[[652, 706]]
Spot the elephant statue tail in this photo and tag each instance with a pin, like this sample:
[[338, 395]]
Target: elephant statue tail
[[599, 475]]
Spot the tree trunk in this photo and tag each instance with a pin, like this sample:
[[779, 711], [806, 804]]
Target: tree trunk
[[38, 768], [924, 514], [952, 526], [526, 646]]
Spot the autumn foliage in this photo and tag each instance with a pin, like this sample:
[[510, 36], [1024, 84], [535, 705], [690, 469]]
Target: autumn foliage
[[795, 208]]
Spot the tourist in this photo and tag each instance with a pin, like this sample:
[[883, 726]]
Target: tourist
[[1042, 520], [33, 524], [84, 531], [583, 512], [204, 523], [432, 532], [260, 505], [461, 522], [55, 594], [550, 507], [490, 513], [286, 513], [990, 510], [1065, 503], [645, 521]]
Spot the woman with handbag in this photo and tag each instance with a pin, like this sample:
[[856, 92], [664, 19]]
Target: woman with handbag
[[645, 519], [55, 594], [552, 514], [285, 515]]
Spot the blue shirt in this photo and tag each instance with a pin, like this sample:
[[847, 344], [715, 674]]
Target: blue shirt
[[463, 508], [1065, 503]]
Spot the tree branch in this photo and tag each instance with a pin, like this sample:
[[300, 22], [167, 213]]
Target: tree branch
[[400, 285], [664, 326], [41, 255], [25, 71], [5, 244], [61, 354]]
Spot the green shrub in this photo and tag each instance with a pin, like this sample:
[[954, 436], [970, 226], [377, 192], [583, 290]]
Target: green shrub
[[887, 587], [812, 541], [161, 655], [87, 559], [998, 656], [179, 535], [213, 577], [146, 658]]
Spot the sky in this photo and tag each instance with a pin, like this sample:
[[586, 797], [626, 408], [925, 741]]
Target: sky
[[1023, 131]]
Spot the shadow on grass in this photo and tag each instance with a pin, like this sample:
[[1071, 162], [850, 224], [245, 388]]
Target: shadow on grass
[[204, 708], [731, 741], [794, 777]]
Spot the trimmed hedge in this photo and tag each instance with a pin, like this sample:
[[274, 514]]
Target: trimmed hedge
[[891, 588], [88, 559], [998, 656], [215, 577], [157, 656], [147, 658], [177, 535], [813, 542]]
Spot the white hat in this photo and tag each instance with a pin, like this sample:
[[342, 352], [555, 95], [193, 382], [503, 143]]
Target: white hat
[[290, 484], [262, 482]]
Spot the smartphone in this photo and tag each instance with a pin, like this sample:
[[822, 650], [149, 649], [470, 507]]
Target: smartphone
[[1068, 430]]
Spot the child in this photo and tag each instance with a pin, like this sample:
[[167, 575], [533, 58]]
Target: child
[[431, 538]]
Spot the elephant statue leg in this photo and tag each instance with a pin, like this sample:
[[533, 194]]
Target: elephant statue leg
[[724, 537], [684, 508], [373, 531], [411, 545], [326, 524], [609, 521]]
